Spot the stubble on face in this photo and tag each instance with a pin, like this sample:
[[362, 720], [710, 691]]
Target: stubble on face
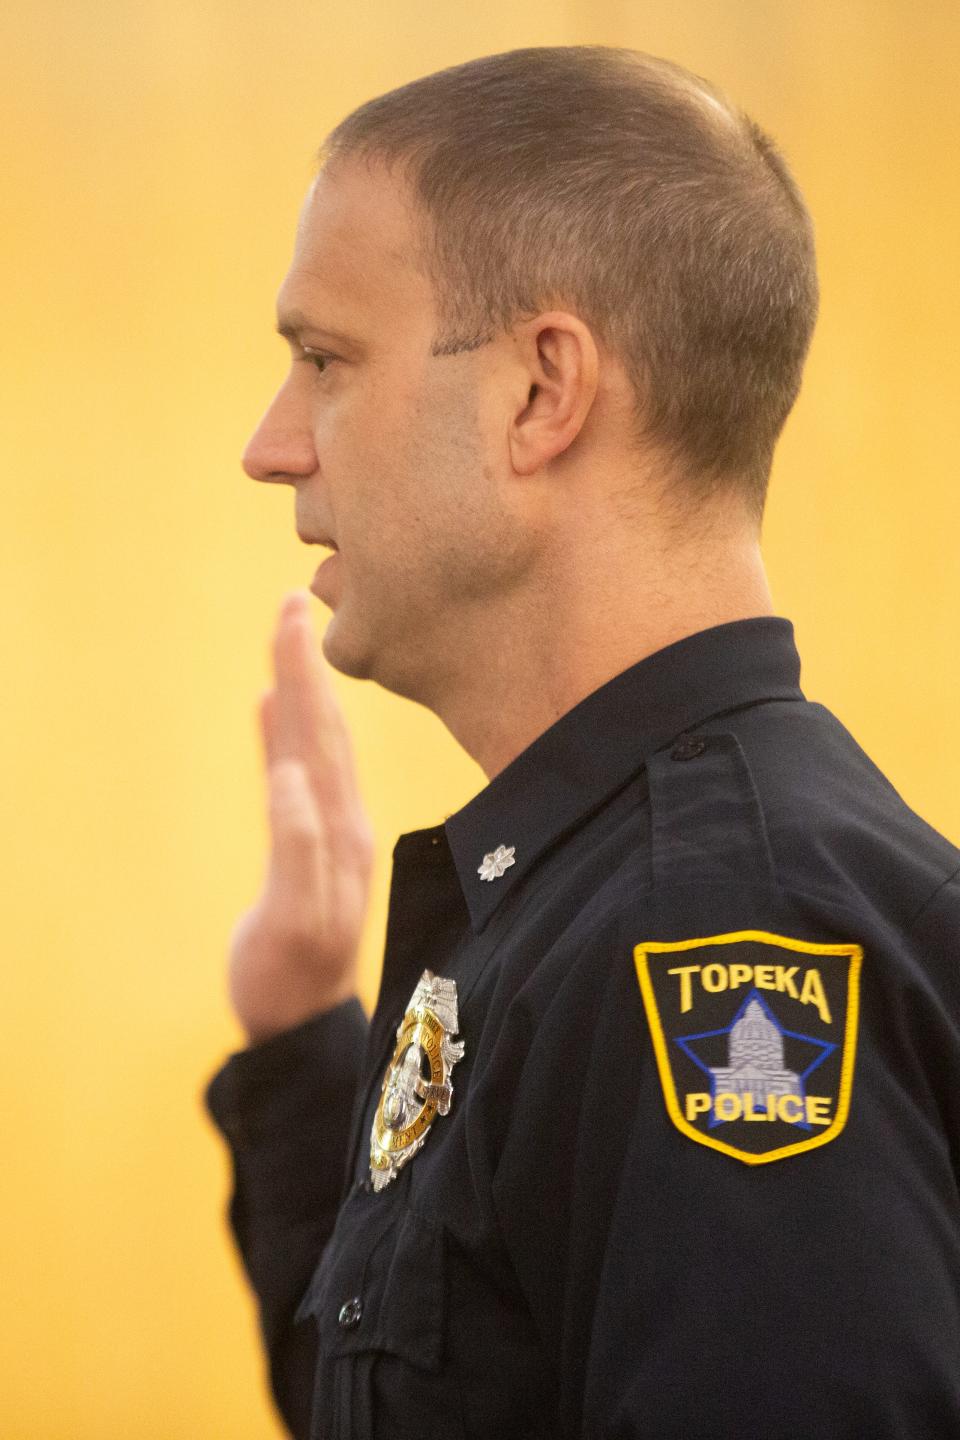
[[439, 557], [409, 468]]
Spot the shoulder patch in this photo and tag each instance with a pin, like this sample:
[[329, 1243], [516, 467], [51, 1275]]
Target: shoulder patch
[[755, 1036]]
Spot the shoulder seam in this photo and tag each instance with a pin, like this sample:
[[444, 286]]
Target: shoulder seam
[[930, 899]]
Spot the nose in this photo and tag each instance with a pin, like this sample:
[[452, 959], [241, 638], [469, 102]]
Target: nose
[[281, 449]]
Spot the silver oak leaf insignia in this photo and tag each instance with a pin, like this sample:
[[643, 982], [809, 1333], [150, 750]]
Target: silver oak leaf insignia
[[496, 862]]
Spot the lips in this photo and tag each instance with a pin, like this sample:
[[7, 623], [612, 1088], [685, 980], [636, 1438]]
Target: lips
[[319, 582], [318, 540]]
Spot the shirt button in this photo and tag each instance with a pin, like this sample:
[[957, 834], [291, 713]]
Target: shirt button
[[688, 748], [350, 1313]]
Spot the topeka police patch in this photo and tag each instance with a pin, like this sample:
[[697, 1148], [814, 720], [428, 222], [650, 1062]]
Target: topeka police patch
[[755, 1036]]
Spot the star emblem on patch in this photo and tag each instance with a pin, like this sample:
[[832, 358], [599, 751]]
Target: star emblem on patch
[[496, 862]]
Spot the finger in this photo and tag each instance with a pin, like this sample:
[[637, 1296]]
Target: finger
[[292, 643], [309, 720], [318, 900], [292, 808], [268, 726], [297, 834], [287, 672], [317, 891]]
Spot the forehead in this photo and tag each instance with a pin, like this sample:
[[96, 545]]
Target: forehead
[[355, 256]]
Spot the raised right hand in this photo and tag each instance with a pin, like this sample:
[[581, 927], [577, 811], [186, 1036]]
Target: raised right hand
[[294, 952]]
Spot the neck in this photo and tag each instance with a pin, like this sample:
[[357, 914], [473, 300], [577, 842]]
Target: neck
[[579, 631]]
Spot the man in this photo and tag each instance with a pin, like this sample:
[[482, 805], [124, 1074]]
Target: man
[[654, 1130]]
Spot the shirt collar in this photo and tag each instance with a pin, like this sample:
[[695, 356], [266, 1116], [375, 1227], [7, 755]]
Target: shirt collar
[[592, 750]]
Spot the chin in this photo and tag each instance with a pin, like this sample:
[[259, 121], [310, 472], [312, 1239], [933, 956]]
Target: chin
[[383, 663], [346, 654]]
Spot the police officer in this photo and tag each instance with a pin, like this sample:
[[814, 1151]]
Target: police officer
[[654, 1130]]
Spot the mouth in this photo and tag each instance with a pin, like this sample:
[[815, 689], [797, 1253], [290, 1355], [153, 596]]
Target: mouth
[[318, 540], [331, 564]]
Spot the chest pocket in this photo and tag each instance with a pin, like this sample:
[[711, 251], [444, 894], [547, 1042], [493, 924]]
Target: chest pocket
[[379, 1300]]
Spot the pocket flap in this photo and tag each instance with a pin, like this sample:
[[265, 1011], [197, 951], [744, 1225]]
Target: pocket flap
[[400, 1287]]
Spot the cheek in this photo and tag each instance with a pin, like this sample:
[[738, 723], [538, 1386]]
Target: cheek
[[409, 486]]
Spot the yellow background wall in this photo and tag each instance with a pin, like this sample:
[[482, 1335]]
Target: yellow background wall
[[153, 158]]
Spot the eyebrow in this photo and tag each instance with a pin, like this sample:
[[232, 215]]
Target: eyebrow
[[294, 324]]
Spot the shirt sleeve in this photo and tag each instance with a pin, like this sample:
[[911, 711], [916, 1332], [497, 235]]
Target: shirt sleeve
[[683, 1291], [284, 1107]]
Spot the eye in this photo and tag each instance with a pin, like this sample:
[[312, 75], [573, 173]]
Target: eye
[[319, 359]]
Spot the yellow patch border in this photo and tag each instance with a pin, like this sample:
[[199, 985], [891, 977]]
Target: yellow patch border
[[765, 937]]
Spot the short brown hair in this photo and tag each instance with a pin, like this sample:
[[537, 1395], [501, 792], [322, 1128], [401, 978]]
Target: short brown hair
[[632, 191]]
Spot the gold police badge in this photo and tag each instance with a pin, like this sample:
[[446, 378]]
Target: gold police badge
[[416, 1086]]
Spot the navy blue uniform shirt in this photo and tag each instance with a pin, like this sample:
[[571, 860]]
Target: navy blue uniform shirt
[[698, 1175]]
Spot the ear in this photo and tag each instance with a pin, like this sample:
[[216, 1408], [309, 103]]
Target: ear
[[559, 369]]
